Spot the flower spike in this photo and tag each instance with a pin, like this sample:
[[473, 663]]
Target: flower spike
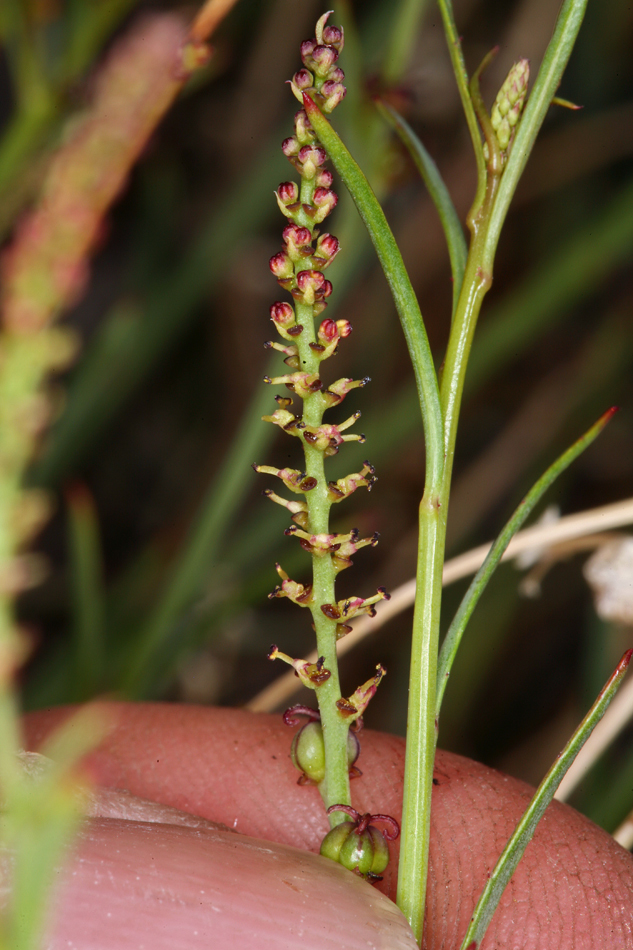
[[319, 748]]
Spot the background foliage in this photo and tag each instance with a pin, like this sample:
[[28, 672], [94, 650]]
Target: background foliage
[[161, 550]]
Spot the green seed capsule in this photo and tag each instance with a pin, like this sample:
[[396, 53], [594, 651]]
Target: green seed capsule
[[358, 845], [335, 839], [365, 852], [308, 751]]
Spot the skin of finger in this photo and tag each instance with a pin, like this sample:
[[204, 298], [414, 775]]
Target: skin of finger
[[572, 891], [133, 884]]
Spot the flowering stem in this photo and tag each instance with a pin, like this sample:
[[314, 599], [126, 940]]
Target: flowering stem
[[335, 786], [299, 270]]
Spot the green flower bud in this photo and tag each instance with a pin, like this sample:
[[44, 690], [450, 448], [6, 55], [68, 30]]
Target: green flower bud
[[506, 111]]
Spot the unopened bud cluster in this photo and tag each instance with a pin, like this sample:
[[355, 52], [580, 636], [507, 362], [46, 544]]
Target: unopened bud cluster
[[508, 105]]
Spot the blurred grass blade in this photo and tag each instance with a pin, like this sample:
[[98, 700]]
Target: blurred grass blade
[[405, 26], [513, 852], [485, 572], [567, 276], [395, 272], [41, 815], [438, 191], [200, 548], [87, 592]]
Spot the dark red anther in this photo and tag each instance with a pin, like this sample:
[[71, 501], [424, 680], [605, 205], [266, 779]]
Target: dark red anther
[[303, 79], [323, 59], [328, 246], [308, 483], [290, 147], [307, 48], [296, 330], [331, 611], [328, 331], [333, 36], [325, 198], [311, 278], [345, 708], [316, 347], [293, 234], [281, 266], [312, 153], [288, 192]]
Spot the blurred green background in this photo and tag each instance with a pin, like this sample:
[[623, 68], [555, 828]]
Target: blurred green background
[[162, 550]]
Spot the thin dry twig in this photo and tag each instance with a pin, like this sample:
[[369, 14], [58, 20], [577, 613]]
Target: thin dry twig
[[583, 523], [208, 18]]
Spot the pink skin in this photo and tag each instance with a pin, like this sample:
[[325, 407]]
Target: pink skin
[[141, 885]]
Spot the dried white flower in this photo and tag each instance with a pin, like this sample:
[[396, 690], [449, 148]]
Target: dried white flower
[[609, 573]]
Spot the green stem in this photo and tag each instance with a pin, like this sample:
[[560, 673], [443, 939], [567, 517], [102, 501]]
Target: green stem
[[421, 720], [418, 778], [335, 786], [454, 44]]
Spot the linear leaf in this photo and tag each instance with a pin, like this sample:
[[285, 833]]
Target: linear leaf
[[513, 851], [485, 572], [453, 231]]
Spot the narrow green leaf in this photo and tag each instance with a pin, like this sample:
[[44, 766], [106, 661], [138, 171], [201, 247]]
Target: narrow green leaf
[[403, 294], [404, 30], [454, 44], [513, 851], [453, 231], [87, 592], [487, 569], [200, 549]]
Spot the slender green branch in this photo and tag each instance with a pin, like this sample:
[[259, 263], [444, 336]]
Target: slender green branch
[[515, 848], [454, 44], [453, 231], [485, 572]]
